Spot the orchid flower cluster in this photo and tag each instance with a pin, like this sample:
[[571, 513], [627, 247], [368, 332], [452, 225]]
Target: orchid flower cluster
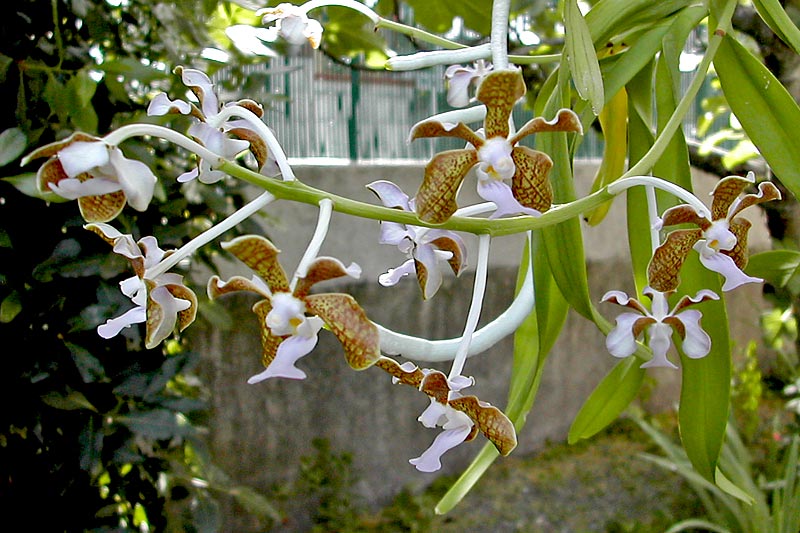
[[513, 179]]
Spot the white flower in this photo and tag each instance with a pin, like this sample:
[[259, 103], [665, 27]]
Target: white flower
[[161, 300], [292, 23], [659, 325], [427, 249], [459, 79]]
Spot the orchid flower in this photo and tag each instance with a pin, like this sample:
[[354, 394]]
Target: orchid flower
[[496, 153], [292, 23], [84, 168], [214, 129], [721, 240], [427, 248], [162, 300], [287, 331], [659, 324], [459, 416], [458, 80]]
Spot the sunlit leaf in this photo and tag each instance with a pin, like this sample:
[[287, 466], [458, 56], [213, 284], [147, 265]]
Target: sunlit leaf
[[10, 307], [766, 110], [12, 143], [582, 57], [772, 12], [781, 268], [608, 400]]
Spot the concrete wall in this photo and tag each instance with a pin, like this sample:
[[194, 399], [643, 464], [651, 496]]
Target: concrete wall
[[258, 432]]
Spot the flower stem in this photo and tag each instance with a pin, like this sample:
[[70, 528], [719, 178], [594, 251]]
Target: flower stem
[[321, 231], [478, 291], [244, 212], [499, 34]]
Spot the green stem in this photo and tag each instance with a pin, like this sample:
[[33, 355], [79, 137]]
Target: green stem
[[647, 162], [300, 192], [57, 32], [419, 34]]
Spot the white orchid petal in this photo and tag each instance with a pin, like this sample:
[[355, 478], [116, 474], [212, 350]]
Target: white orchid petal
[[500, 193], [72, 188], [113, 326], [390, 194], [433, 415], [426, 254], [81, 156], [660, 341], [430, 460], [697, 342], [394, 275], [724, 264], [162, 105], [620, 341], [135, 178], [289, 351]]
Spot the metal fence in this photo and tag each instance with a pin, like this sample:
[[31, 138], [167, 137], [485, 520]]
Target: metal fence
[[320, 109]]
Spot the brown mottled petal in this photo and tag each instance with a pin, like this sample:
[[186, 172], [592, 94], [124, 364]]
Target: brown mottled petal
[[103, 207], [641, 324], [566, 120], [620, 298], [449, 245], [529, 184], [260, 254], [686, 300], [257, 145], [187, 316], [436, 198], [473, 432], [350, 324], [50, 172], [422, 276], [49, 150], [739, 227], [684, 214], [269, 342], [500, 90], [767, 191], [252, 106], [677, 325], [217, 288], [435, 385], [664, 267], [434, 128], [413, 378], [321, 269], [726, 191], [491, 421]]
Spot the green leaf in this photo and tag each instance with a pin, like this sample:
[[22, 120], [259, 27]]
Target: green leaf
[[71, 402], [778, 20], [89, 366], [438, 16], [12, 143], [608, 400], [132, 69], [766, 110], [779, 267], [10, 308], [26, 184], [159, 424], [705, 385], [610, 18], [582, 57]]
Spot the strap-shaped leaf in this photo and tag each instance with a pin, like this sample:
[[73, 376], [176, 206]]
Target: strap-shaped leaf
[[766, 110], [772, 12], [582, 57]]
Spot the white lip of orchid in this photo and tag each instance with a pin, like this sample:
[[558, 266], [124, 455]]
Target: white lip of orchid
[[495, 158], [719, 237], [287, 315]]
